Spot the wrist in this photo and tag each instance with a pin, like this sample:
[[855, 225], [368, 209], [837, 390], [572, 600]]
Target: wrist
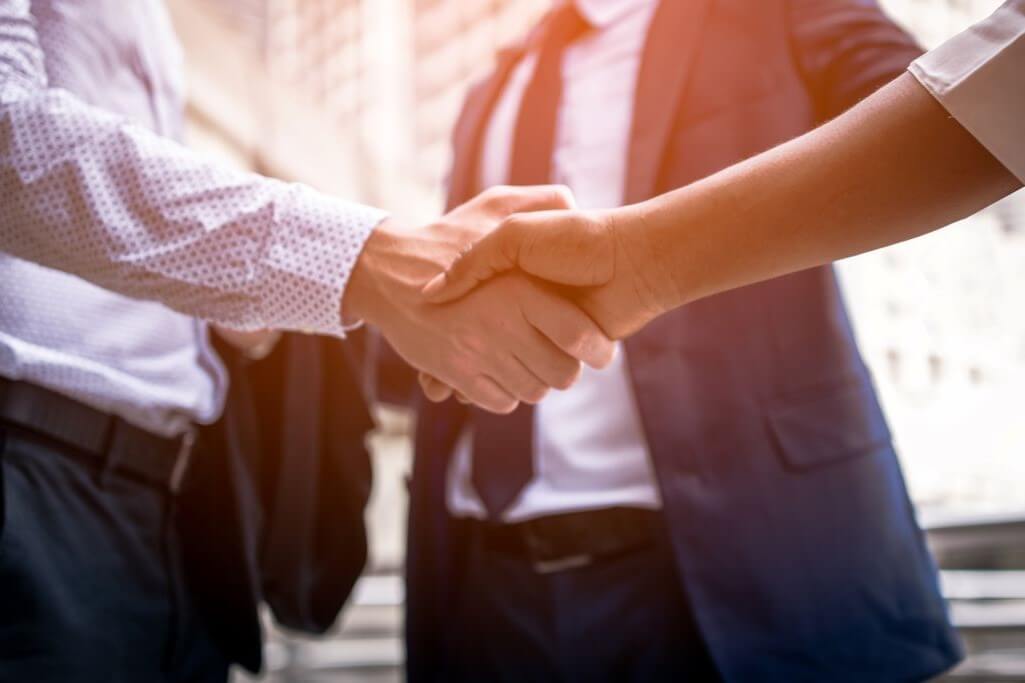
[[364, 297], [393, 269], [642, 236]]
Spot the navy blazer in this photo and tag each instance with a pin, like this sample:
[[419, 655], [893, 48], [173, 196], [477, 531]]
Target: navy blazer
[[793, 533]]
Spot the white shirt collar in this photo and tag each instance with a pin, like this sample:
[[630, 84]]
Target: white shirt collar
[[602, 13]]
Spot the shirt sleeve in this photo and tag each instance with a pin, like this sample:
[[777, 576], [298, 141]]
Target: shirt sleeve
[[96, 195], [979, 77]]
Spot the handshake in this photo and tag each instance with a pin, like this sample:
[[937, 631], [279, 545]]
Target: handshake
[[506, 296]]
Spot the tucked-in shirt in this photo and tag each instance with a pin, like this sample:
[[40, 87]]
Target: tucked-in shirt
[[979, 77], [94, 188], [589, 445]]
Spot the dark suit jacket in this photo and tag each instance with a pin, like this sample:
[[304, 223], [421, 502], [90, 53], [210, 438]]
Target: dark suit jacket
[[272, 511], [793, 533]]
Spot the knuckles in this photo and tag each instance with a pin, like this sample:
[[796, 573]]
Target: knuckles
[[578, 341], [497, 405], [568, 377], [535, 395]]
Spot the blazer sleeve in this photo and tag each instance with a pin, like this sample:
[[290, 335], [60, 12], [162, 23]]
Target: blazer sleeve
[[846, 50]]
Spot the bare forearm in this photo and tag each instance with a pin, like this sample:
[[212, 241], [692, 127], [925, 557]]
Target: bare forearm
[[894, 167]]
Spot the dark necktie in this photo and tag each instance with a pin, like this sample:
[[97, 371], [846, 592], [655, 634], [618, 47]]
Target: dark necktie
[[503, 444]]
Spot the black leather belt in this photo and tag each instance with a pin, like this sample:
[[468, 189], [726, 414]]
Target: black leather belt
[[571, 540], [113, 445]]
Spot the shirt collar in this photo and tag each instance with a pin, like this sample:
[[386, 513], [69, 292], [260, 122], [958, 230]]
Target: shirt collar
[[602, 13]]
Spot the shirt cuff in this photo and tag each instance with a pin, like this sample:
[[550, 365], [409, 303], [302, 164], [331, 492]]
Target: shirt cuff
[[976, 76], [313, 247]]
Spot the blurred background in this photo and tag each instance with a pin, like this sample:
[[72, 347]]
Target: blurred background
[[358, 97]]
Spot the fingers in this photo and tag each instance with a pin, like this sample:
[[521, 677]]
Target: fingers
[[569, 329], [488, 395], [490, 256], [547, 361], [484, 260], [520, 382], [564, 247], [509, 199], [557, 370], [435, 390], [516, 357], [496, 383], [439, 392]]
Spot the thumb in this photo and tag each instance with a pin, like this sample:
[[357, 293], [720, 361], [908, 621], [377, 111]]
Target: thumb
[[563, 247], [483, 260]]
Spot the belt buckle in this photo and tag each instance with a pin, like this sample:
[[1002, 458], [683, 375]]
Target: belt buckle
[[544, 561], [562, 564], [181, 461]]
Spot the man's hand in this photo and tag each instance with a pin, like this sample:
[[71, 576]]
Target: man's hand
[[555, 334], [603, 256], [507, 343]]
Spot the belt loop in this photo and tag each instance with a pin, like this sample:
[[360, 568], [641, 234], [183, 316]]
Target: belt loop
[[108, 453], [181, 463]]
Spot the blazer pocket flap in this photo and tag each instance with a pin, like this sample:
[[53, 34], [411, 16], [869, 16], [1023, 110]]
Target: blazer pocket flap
[[828, 424]]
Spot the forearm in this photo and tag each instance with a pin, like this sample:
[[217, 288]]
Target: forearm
[[104, 199], [894, 167]]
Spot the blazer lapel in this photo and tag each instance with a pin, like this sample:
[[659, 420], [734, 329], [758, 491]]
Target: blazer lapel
[[665, 65], [469, 130]]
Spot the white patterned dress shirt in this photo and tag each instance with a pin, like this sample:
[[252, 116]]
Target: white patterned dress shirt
[[979, 77], [93, 187]]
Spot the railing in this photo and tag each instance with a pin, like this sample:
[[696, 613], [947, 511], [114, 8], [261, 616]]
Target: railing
[[984, 580], [987, 606]]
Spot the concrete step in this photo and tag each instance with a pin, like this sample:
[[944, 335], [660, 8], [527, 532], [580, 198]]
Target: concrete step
[[358, 654], [989, 667], [988, 607], [371, 621], [983, 584], [1002, 615], [989, 541], [990, 626]]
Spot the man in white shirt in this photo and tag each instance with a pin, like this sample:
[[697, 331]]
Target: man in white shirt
[[112, 235], [701, 509]]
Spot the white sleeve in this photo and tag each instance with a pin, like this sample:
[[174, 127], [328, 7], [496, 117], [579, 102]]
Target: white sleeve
[[95, 195], [979, 77]]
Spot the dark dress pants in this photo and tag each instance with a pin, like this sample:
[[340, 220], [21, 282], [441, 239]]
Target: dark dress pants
[[91, 585], [622, 619]]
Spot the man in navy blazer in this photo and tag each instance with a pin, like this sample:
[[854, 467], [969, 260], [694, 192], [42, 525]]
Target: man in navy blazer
[[724, 502]]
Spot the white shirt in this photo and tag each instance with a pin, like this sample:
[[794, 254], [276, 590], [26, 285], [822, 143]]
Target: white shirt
[[589, 445], [93, 186], [979, 77]]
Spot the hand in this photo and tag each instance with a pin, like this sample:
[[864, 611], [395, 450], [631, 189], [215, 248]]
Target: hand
[[557, 324], [507, 343], [603, 255]]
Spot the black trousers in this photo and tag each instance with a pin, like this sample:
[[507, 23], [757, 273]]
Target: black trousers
[[91, 585], [621, 619]]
